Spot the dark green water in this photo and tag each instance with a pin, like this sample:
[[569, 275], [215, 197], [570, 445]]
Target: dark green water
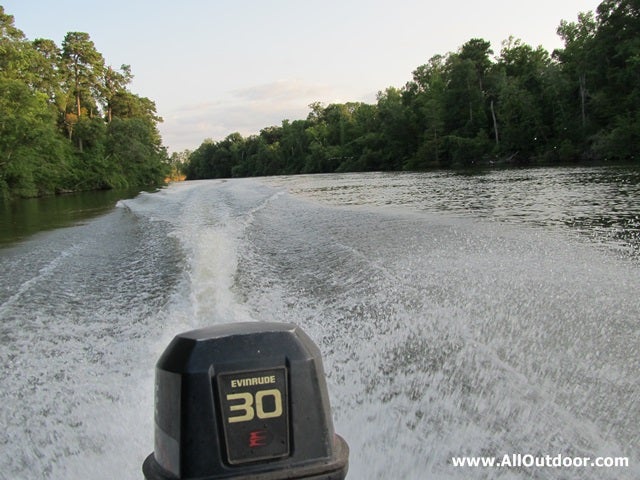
[[22, 218]]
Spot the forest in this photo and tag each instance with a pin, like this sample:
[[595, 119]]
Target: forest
[[68, 121], [523, 105]]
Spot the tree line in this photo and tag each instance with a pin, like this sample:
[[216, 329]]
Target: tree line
[[68, 121], [524, 105]]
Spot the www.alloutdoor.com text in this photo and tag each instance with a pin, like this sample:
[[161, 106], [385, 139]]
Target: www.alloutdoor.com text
[[527, 460]]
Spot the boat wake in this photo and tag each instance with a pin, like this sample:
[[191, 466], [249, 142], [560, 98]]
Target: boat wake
[[442, 335]]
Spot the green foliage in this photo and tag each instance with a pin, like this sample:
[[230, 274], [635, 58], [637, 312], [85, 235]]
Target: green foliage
[[621, 141], [33, 156], [133, 146], [68, 123]]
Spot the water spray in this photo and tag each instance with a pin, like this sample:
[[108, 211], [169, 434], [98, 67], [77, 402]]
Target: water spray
[[240, 401]]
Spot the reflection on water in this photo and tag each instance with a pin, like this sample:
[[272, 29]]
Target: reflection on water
[[24, 217], [602, 203]]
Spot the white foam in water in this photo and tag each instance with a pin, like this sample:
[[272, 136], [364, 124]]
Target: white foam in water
[[442, 335]]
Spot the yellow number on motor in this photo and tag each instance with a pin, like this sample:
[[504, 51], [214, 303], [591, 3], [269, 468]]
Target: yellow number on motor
[[246, 406], [277, 400]]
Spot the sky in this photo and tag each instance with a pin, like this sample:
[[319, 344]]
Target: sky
[[214, 67]]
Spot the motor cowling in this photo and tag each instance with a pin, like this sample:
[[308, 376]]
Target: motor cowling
[[244, 400]]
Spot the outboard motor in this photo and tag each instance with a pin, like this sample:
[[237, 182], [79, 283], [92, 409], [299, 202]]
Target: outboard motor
[[244, 400]]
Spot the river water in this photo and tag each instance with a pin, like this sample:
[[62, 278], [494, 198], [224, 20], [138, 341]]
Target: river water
[[484, 314]]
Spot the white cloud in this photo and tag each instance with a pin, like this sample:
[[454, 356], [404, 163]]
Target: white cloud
[[284, 91]]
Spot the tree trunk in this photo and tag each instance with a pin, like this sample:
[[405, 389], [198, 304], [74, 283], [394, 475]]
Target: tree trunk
[[495, 124], [77, 82], [583, 97], [470, 103], [435, 143]]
